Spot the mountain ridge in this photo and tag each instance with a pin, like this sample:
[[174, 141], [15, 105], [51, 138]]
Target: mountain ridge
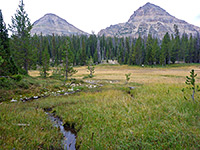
[[52, 24], [149, 19]]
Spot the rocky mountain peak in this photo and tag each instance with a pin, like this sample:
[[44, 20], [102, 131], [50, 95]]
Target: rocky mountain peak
[[51, 23], [148, 10], [150, 19]]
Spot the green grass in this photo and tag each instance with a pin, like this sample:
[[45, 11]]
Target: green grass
[[152, 116], [24, 126], [112, 119], [31, 86]]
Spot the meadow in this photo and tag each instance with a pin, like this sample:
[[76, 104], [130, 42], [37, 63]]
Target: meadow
[[107, 113]]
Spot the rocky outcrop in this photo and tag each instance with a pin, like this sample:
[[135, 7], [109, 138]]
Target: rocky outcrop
[[51, 23], [149, 19]]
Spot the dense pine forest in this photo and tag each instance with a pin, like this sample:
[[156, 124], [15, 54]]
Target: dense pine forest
[[131, 51]]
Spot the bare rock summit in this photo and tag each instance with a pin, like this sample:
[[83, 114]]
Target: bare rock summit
[[150, 19], [52, 24]]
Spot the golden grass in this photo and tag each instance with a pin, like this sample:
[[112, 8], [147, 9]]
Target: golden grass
[[138, 74], [36, 73]]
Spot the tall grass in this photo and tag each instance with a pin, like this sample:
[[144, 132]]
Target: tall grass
[[154, 115], [25, 126], [157, 117]]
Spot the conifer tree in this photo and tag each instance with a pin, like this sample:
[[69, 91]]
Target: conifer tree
[[120, 51], [197, 49], [130, 60], [172, 49], [98, 51], [90, 67], [45, 63], [83, 58], [137, 53], [191, 50], [177, 52], [35, 48], [149, 46], [40, 49], [7, 65], [53, 50], [155, 52], [68, 60], [184, 46], [1, 61], [20, 29], [127, 45], [165, 50], [192, 82], [95, 56], [110, 48]]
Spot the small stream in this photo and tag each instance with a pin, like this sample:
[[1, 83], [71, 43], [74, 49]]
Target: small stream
[[68, 131], [69, 141]]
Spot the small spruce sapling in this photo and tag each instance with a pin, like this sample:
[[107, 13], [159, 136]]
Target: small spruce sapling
[[91, 67], [191, 81], [71, 70], [127, 77]]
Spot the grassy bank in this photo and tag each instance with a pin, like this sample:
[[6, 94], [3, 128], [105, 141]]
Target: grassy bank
[[112, 119], [154, 115], [24, 126]]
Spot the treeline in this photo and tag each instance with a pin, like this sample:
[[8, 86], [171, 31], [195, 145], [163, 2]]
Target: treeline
[[131, 51], [22, 52]]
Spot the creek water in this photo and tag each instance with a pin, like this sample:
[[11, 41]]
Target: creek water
[[69, 141]]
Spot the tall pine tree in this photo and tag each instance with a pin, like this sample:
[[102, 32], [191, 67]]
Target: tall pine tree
[[45, 62], [164, 56], [7, 65], [21, 46], [155, 52], [149, 46], [68, 59], [83, 57], [138, 52], [177, 50]]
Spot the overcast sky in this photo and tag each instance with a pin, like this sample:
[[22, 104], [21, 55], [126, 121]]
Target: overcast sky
[[94, 15]]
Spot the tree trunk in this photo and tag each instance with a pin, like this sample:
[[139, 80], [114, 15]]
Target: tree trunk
[[90, 72], [66, 69], [98, 51], [193, 93], [26, 61]]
